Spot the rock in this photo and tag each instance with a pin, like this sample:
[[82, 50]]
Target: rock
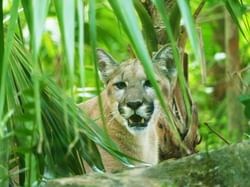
[[228, 166]]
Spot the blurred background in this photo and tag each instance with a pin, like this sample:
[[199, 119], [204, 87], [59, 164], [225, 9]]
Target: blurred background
[[219, 84]]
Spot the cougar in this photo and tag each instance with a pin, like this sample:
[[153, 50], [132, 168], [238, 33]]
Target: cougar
[[131, 107]]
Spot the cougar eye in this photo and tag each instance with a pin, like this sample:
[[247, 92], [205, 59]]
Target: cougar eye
[[120, 85], [147, 83]]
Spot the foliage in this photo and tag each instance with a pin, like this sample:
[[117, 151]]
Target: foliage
[[42, 133], [245, 99]]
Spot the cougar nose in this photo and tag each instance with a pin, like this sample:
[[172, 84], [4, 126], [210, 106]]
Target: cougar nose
[[134, 104]]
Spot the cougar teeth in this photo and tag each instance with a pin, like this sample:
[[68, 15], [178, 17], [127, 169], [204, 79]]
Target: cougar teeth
[[129, 120], [142, 120]]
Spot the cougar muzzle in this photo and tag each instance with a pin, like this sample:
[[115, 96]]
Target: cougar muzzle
[[136, 113]]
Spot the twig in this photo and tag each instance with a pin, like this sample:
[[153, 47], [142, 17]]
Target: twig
[[183, 37], [198, 10], [217, 134]]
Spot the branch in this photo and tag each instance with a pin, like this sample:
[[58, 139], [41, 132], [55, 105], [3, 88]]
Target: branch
[[217, 134]]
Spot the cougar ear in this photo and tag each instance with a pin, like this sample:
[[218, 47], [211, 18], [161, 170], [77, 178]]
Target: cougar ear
[[165, 61], [106, 64]]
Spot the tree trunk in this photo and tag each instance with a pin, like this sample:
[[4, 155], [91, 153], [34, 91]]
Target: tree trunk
[[234, 108], [217, 71], [228, 166], [159, 26]]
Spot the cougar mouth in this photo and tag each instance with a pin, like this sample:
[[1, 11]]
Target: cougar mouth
[[137, 121]]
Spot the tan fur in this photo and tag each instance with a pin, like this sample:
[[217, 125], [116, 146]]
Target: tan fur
[[140, 147], [140, 144]]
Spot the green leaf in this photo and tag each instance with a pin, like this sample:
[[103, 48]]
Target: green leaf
[[9, 42], [39, 10], [28, 13], [1, 36], [39, 13], [125, 13], [92, 31], [80, 15], [163, 12], [234, 7], [245, 99], [190, 27], [81, 136], [4, 152], [175, 19], [66, 18]]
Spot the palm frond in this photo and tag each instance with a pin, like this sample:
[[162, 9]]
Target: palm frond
[[4, 108], [65, 147]]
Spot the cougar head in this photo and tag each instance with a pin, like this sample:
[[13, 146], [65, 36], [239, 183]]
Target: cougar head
[[130, 95]]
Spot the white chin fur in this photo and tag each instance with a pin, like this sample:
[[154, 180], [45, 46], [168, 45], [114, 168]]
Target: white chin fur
[[141, 130], [138, 130]]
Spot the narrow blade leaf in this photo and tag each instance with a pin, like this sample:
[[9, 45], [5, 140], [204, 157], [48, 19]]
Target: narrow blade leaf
[[125, 13], [190, 26]]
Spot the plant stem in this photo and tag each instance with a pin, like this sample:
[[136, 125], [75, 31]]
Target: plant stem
[[217, 134]]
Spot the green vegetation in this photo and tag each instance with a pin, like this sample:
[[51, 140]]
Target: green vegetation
[[48, 65]]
